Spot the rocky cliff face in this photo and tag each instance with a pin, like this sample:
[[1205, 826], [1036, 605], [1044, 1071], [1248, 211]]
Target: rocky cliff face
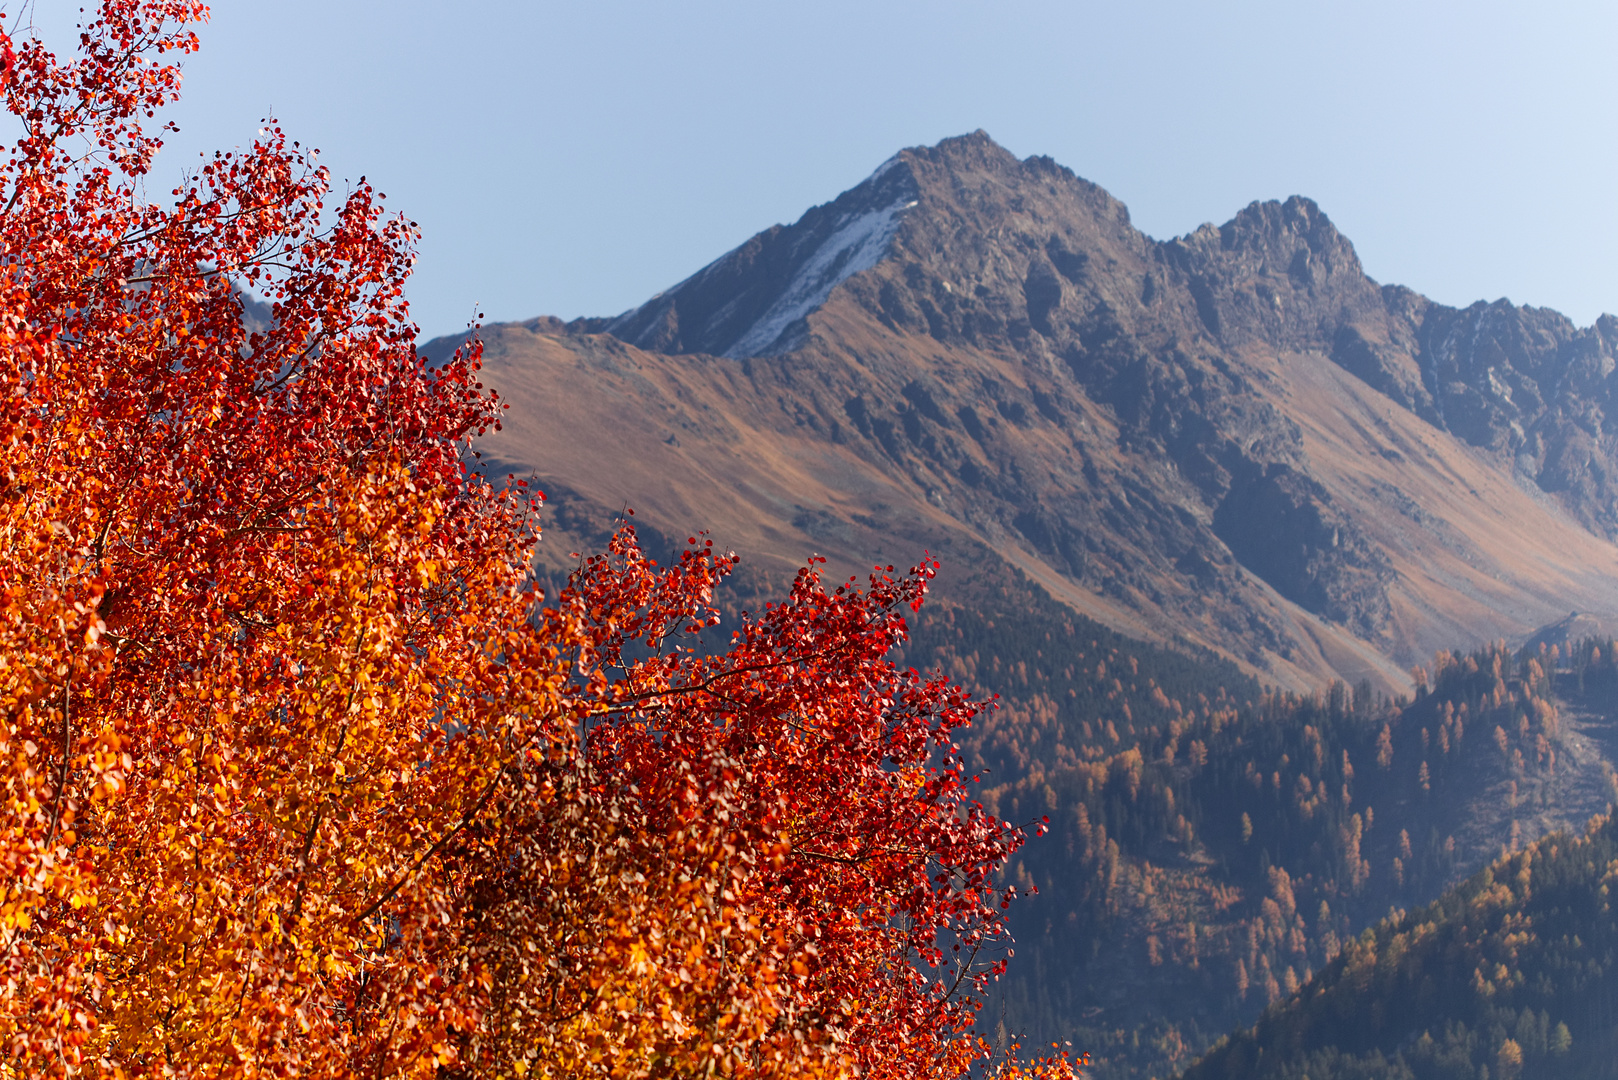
[[1235, 437], [753, 302]]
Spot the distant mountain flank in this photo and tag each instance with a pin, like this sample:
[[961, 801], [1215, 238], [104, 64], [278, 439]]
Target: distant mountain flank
[[1234, 439], [1202, 504]]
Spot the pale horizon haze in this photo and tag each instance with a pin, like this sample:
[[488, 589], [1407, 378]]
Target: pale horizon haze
[[574, 159]]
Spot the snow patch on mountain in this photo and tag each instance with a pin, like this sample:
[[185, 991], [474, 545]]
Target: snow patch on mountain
[[858, 243]]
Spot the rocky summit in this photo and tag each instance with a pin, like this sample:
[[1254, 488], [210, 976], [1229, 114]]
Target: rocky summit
[[1233, 440]]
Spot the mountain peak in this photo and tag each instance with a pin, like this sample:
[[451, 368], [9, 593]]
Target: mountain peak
[[752, 301], [973, 148], [755, 299]]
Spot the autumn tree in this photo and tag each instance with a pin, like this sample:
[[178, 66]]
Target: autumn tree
[[789, 818], [300, 775]]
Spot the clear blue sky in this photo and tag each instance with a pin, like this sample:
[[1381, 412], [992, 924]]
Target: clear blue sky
[[576, 158]]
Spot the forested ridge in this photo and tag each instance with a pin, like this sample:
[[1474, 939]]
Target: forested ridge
[[1213, 844], [1511, 973], [1490, 981]]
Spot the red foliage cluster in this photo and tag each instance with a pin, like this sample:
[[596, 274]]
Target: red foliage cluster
[[784, 784]]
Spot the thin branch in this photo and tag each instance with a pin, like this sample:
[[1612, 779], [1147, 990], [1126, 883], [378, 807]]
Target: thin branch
[[303, 866], [67, 753], [466, 819]]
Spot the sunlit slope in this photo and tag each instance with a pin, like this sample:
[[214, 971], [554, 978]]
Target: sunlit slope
[[1474, 551], [691, 442]]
